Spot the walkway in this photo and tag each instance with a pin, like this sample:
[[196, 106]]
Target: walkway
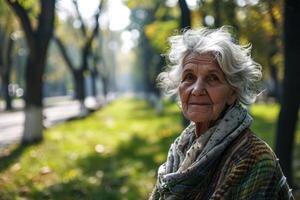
[[57, 110]]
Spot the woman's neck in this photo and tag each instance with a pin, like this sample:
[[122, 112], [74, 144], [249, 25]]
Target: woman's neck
[[201, 127]]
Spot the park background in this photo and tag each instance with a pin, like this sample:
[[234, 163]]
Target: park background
[[80, 114]]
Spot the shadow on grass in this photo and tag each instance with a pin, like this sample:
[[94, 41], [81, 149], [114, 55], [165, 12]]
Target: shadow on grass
[[12, 154], [111, 175]]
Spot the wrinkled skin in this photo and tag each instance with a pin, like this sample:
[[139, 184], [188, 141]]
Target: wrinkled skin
[[204, 91]]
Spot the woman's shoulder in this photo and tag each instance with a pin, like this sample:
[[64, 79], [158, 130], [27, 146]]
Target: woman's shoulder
[[251, 148], [250, 169], [247, 153]]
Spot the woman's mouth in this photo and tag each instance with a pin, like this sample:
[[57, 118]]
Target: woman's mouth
[[200, 104]]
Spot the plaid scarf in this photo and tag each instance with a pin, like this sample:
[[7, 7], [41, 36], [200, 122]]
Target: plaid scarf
[[189, 158]]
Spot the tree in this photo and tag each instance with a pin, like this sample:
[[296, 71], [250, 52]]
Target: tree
[[185, 16], [185, 22], [143, 16], [6, 67], [100, 68], [217, 13], [7, 41], [79, 72], [290, 101], [274, 50], [37, 38]]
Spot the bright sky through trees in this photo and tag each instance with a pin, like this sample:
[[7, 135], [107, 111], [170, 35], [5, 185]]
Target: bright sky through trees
[[116, 17]]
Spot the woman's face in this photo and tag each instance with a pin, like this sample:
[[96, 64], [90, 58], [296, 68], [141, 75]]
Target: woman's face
[[204, 91]]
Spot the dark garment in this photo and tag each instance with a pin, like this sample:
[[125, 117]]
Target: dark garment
[[247, 169]]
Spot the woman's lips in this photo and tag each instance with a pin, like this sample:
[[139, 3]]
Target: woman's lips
[[199, 104], [199, 107]]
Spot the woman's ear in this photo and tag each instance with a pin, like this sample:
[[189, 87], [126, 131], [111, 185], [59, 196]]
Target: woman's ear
[[232, 97]]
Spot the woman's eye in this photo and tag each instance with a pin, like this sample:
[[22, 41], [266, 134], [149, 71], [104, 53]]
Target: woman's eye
[[212, 78], [189, 77]]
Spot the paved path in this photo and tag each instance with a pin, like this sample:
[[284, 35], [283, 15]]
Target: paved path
[[11, 123]]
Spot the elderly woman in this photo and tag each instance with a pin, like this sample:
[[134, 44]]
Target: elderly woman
[[217, 156]]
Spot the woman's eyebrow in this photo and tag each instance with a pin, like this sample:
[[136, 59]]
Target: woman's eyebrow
[[215, 71], [187, 70]]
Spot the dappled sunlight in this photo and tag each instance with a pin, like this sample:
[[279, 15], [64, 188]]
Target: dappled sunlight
[[259, 110], [109, 154], [83, 112]]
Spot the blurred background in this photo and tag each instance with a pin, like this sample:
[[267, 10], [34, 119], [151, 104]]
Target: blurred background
[[80, 114]]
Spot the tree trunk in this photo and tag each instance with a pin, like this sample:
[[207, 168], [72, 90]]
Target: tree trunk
[[80, 91], [104, 86], [5, 87], [79, 85], [217, 12], [79, 76], [185, 22], [276, 91], [147, 54], [230, 7], [37, 38], [5, 65], [185, 17], [274, 49], [94, 75], [6, 74], [288, 115], [33, 126]]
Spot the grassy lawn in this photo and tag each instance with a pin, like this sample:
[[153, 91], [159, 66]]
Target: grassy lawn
[[112, 154]]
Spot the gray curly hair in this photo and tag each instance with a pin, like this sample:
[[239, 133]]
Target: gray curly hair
[[241, 72]]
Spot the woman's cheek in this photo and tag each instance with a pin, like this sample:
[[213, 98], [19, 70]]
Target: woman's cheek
[[181, 93], [184, 92], [183, 98]]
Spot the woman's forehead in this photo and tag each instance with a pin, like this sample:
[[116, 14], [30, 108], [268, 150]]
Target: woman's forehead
[[196, 58]]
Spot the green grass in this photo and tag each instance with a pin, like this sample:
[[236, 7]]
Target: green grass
[[264, 123], [112, 154]]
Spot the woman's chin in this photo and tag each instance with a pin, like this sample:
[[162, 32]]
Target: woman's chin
[[198, 117]]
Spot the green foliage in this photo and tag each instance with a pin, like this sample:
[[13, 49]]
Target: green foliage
[[159, 31], [27, 4], [113, 154], [33, 9], [256, 26], [3, 8], [7, 18], [141, 3]]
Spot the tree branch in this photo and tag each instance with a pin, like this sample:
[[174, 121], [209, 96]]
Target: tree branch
[[64, 53], [45, 30], [88, 43], [82, 27], [8, 56], [185, 17], [25, 21], [273, 19]]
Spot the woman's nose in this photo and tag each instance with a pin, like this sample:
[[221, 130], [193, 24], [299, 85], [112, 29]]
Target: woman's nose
[[198, 88]]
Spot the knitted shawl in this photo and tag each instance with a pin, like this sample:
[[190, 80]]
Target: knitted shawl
[[192, 161]]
